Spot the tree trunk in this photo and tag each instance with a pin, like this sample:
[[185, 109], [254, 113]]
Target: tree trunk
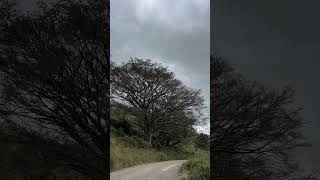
[[149, 131], [150, 139]]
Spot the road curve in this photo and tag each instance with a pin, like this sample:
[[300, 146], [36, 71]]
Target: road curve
[[166, 170]]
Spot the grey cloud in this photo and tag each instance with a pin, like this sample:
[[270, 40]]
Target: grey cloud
[[175, 33]]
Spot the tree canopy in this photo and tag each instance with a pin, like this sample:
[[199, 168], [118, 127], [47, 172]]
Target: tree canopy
[[166, 109]]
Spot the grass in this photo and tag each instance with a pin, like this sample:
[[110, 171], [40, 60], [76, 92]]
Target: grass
[[130, 151], [122, 156], [197, 168]]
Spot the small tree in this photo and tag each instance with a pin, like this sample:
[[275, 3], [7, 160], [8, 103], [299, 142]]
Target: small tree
[[202, 141], [160, 101]]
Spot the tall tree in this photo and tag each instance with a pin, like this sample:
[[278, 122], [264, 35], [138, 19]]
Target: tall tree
[[259, 124], [54, 67], [161, 102]]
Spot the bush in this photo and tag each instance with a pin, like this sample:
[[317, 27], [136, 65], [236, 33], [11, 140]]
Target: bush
[[202, 141], [122, 127], [132, 141], [198, 168]]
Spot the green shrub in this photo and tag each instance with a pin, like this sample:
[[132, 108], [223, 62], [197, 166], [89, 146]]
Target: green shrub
[[197, 169]]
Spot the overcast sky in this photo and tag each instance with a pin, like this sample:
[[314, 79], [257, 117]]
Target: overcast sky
[[175, 33], [276, 43]]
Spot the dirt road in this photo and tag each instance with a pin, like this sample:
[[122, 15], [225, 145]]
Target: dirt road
[[166, 170]]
